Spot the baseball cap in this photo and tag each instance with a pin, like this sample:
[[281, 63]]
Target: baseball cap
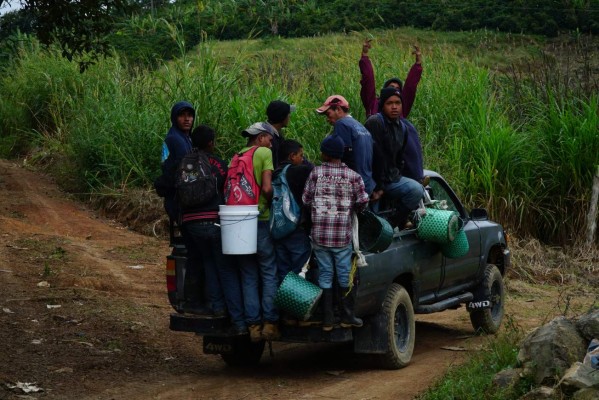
[[256, 129], [334, 100]]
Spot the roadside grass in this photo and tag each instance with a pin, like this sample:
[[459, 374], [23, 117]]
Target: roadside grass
[[533, 262], [473, 380]]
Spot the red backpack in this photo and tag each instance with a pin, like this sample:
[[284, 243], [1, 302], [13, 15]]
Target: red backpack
[[241, 188]]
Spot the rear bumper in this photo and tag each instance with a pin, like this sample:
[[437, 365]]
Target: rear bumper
[[315, 334], [220, 327]]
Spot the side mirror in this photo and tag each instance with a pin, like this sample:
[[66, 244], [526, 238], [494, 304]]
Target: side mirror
[[479, 214]]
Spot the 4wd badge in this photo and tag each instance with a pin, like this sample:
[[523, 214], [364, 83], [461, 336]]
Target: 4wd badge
[[477, 305]]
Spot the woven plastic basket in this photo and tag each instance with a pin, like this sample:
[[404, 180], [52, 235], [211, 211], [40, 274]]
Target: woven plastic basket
[[439, 226], [297, 296], [376, 234], [458, 248]]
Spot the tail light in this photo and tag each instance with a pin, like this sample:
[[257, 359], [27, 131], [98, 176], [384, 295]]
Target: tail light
[[171, 284]]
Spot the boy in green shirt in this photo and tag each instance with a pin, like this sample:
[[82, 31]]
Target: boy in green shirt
[[262, 266]]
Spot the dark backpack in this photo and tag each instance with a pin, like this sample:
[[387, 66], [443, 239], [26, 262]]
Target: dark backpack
[[164, 185], [285, 213], [241, 188], [194, 181]]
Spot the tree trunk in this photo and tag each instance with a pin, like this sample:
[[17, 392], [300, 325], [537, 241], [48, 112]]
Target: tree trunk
[[592, 215]]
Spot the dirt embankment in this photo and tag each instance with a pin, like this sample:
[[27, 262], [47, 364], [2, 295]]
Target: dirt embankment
[[84, 314]]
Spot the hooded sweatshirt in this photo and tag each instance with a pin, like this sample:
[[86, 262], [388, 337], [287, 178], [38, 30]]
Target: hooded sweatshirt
[[176, 145]]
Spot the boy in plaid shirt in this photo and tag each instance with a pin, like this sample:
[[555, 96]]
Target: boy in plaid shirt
[[333, 192]]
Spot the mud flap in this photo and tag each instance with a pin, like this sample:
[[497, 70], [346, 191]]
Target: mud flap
[[372, 337]]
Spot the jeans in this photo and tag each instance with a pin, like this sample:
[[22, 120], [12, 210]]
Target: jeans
[[250, 285], [268, 272], [408, 191], [222, 278], [292, 252], [331, 260]]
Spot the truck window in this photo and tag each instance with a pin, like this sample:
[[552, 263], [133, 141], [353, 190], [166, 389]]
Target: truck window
[[438, 192]]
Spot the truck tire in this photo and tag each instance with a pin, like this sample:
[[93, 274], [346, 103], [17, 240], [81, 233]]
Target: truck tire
[[488, 320], [398, 314], [245, 353]]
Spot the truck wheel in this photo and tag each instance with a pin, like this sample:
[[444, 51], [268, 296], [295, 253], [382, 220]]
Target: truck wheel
[[245, 353], [398, 314], [488, 320]]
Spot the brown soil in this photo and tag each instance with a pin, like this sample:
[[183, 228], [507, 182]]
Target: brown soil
[[84, 314]]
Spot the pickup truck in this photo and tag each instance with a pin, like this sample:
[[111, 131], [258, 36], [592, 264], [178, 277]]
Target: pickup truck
[[412, 276]]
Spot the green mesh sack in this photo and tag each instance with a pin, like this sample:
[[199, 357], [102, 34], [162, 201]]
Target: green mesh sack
[[458, 248], [297, 296], [375, 233], [439, 226]]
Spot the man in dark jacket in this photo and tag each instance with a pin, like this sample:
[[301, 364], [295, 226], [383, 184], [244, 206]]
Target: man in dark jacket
[[176, 145], [357, 154], [391, 134]]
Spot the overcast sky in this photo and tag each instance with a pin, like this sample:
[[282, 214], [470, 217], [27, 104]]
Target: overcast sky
[[6, 8]]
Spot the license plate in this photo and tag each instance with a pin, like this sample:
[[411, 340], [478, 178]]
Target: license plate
[[218, 345]]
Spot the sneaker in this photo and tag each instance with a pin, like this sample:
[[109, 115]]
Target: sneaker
[[255, 332], [270, 331]]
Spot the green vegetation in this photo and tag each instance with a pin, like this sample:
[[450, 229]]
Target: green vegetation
[[473, 380], [142, 36], [79, 28], [519, 138], [140, 29]]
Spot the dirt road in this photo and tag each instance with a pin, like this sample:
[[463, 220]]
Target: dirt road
[[84, 314]]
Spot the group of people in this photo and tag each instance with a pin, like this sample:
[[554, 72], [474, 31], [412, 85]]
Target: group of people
[[362, 166]]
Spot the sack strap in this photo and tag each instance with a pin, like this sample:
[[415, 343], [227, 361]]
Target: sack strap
[[283, 174], [360, 259]]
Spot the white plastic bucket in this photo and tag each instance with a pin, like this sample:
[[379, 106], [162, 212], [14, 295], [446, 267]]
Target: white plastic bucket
[[239, 229]]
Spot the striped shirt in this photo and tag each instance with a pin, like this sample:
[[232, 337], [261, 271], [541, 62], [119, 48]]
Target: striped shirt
[[333, 192]]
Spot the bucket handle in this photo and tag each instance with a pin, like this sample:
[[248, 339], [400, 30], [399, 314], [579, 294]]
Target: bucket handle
[[246, 218]]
